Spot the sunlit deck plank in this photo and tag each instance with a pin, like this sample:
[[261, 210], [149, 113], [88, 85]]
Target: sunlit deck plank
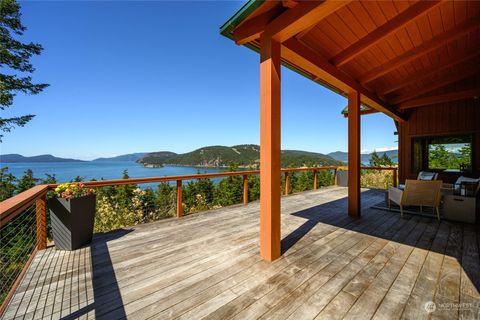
[[208, 266]]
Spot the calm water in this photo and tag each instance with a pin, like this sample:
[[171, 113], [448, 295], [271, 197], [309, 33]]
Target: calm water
[[66, 171]]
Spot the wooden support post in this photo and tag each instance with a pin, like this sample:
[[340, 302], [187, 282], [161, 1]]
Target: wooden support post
[[41, 212], [287, 184], [335, 176], [354, 154], [245, 189], [179, 199], [395, 177], [314, 179], [269, 148]]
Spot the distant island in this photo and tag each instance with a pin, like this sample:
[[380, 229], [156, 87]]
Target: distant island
[[124, 157], [245, 155], [16, 158]]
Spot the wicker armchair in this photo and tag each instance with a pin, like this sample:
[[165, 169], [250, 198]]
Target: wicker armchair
[[417, 193]]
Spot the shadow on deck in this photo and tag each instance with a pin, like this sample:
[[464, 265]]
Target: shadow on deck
[[208, 266]]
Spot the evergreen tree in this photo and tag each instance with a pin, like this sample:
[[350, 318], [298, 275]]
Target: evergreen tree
[[149, 204], [465, 155], [438, 157], [229, 190], [49, 179], [386, 161], [15, 57], [7, 184], [253, 187], [165, 199], [26, 182], [199, 195], [124, 193], [375, 160]]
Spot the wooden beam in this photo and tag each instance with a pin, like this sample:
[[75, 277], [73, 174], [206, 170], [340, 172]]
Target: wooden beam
[[251, 29], [289, 3], [269, 148], [354, 154], [424, 74], [179, 199], [301, 17], [305, 58], [444, 81], [426, 47], [414, 12], [41, 213], [245, 189], [362, 113], [442, 98]]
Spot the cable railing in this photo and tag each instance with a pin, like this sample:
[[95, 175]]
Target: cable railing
[[22, 233], [23, 217]]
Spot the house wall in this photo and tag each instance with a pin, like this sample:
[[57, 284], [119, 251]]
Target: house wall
[[460, 117]]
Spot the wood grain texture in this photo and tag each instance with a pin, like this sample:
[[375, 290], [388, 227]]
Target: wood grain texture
[[207, 266]]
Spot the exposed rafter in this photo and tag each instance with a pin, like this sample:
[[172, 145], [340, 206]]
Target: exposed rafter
[[301, 17], [362, 113], [442, 98], [445, 81], [289, 3], [251, 29], [414, 12], [295, 52], [425, 73], [421, 50]]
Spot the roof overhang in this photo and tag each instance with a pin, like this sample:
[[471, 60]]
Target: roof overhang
[[312, 47]]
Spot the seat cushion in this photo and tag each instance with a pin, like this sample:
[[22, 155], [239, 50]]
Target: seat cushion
[[426, 176], [462, 179]]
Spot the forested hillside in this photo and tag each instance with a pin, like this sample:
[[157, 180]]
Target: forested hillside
[[244, 155]]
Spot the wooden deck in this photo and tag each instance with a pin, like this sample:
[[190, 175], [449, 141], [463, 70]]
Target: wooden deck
[[208, 266]]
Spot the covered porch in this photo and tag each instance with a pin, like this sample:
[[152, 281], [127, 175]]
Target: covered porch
[[208, 266], [417, 62]]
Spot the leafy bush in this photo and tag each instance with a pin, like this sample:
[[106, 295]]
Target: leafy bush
[[378, 179]]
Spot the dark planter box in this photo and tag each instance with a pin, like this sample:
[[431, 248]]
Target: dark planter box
[[342, 178], [72, 221]]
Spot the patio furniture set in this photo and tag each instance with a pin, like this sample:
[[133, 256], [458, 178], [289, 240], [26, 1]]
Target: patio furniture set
[[457, 202]]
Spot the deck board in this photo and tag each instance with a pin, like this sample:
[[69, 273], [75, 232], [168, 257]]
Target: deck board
[[207, 266]]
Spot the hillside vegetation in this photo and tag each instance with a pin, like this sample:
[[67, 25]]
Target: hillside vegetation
[[244, 155]]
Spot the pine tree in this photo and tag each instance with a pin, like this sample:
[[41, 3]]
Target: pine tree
[[15, 56], [7, 184], [26, 182], [375, 160]]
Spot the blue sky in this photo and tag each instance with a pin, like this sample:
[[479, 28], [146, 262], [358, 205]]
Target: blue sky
[[148, 76]]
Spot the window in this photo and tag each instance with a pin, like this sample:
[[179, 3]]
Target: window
[[451, 153]]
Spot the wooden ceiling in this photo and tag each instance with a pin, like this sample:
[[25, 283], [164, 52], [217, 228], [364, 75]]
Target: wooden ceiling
[[397, 54]]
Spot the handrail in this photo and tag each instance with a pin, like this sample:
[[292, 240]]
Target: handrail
[[12, 207], [119, 182]]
